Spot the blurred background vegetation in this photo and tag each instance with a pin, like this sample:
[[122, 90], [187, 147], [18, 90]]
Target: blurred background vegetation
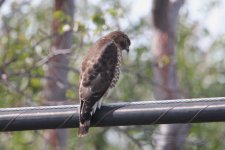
[[25, 31]]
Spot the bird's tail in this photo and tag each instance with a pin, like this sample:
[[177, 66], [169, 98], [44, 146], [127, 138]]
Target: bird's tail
[[83, 128]]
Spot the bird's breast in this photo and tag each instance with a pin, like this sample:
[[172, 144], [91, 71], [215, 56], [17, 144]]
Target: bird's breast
[[116, 73]]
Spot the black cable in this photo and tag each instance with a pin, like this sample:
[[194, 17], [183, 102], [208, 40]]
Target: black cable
[[118, 114]]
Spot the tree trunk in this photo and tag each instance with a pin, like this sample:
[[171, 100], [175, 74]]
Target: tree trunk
[[165, 13], [57, 83]]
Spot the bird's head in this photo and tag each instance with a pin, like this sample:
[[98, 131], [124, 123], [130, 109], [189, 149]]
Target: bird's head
[[121, 39]]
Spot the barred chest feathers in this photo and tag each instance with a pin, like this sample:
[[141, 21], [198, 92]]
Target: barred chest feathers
[[117, 68], [100, 71]]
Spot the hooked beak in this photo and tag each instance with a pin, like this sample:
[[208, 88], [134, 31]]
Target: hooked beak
[[127, 49]]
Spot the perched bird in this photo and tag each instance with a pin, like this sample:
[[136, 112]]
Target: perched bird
[[100, 71]]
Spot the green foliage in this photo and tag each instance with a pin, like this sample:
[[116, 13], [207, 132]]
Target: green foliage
[[98, 19], [201, 74], [25, 41]]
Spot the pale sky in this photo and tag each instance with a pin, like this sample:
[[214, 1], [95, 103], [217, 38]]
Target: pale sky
[[213, 20]]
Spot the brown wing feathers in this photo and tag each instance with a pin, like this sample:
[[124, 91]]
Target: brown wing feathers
[[99, 71], [95, 80]]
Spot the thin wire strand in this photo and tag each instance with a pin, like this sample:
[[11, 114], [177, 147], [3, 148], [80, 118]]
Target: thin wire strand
[[123, 103]]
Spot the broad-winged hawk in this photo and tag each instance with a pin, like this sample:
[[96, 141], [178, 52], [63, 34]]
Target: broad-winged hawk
[[99, 72]]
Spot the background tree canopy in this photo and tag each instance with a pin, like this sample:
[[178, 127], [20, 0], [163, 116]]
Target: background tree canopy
[[25, 31]]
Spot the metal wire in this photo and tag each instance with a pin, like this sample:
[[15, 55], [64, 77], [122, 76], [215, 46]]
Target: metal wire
[[116, 114], [181, 100], [121, 103]]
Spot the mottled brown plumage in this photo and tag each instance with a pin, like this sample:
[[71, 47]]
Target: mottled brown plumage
[[99, 72]]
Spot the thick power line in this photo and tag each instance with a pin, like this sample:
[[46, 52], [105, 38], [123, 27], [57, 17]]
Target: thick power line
[[119, 114]]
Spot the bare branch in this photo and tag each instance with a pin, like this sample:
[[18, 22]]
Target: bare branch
[[52, 54], [1, 2]]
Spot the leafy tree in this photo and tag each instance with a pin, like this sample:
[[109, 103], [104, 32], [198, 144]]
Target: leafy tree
[[24, 46]]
